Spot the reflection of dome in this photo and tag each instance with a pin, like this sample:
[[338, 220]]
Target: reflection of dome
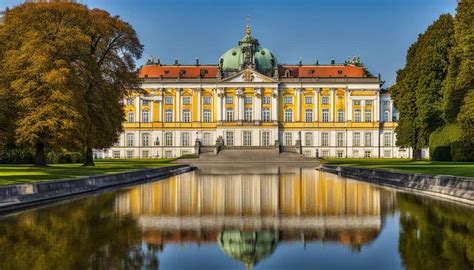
[[248, 54], [248, 247]]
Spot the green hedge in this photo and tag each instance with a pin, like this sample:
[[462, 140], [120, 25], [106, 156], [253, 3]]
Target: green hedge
[[445, 143], [21, 156]]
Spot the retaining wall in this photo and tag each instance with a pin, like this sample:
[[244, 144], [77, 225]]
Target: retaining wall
[[16, 197], [460, 189]]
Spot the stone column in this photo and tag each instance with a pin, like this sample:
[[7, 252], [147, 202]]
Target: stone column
[[240, 104], [377, 107], [316, 104], [178, 104], [137, 109], [257, 108], [220, 101], [199, 113], [349, 105], [331, 111], [275, 104]]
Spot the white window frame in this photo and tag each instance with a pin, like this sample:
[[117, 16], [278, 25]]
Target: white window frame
[[186, 116], [169, 116], [265, 138], [288, 115], [325, 115], [308, 100], [168, 139], [229, 115], [324, 138], [207, 116], [308, 115], [131, 117], [145, 139], [247, 138], [130, 139], [185, 139], [266, 115]]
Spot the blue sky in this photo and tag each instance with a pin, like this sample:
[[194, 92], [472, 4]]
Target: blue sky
[[380, 31]]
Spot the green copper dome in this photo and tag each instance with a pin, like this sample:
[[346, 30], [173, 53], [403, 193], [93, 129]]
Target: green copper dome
[[248, 54]]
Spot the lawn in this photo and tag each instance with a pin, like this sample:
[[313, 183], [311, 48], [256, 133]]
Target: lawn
[[17, 174], [405, 165]]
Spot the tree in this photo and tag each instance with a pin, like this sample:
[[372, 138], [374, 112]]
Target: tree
[[108, 75], [41, 45], [418, 91]]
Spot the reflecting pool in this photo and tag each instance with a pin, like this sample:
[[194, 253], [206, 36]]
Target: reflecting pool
[[243, 217]]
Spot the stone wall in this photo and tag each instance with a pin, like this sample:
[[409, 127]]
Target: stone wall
[[460, 189], [15, 197]]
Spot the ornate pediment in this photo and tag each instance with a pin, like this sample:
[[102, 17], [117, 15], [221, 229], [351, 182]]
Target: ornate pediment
[[248, 76]]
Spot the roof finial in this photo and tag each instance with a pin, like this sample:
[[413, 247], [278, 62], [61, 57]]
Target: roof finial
[[247, 30]]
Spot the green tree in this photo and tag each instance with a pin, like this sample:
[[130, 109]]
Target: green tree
[[41, 45], [418, 91], [109, 74]]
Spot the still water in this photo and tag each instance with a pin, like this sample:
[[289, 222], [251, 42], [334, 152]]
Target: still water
[[243, 217]]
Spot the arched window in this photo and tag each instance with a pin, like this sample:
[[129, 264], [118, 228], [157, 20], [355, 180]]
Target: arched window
[[340, 115], [186, 116], [368, 116], [169, 116], [325, 115], [386, 116], [229, 115], [266, 115], [288, 115], [130, 117], [145, 116], [309, 115], [308, 139], [207, 116]]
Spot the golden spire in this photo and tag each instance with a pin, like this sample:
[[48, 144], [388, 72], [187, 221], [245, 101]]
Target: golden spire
[[247, 29]]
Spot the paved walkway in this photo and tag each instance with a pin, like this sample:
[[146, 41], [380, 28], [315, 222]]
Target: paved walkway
[[252, 156]]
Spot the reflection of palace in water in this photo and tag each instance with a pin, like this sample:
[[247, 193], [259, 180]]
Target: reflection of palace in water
[[269, 204]]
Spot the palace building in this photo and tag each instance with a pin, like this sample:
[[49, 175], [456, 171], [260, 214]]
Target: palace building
[[249, 100]]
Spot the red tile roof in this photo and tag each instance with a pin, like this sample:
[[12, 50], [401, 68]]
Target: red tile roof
[[295, 71]]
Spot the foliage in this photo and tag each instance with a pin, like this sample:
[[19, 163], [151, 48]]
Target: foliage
[[16, 156], [417, 93], [442, 232], [441, 141], [65, 157]]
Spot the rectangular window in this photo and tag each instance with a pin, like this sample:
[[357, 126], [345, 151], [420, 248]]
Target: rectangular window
[[324, 139], [340, 139], [145, 154], [288, 116], [185, 141], [169, 116], [265, 138], [356, 139], [247, 138], [248, 114], [266, 115], [168, 100], [368, 103], [248, 100], [386, 103], [308, 139], [229, 138], [168, 154], [340, 115], [325, 115], [340, 154], [308, 100], [368, 116], [387, 139], [186, 116], [309, 115], [207, 100], [325, 100], [145, 116], [130, 139], [168, 139], [229, 115], [206, 138], [145, 102], [288, 99], [357, 116], [368, 139], [186, 100], [288, 139], [130, 101], [207, 116], [265, 100], [229, 100], [356, 102], [145, 139], [355, 153], [325, 153], [367, 154], [131, 117], [129, 153], [116, 154]]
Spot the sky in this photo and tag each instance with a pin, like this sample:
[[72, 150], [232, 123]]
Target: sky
[[380, 31]]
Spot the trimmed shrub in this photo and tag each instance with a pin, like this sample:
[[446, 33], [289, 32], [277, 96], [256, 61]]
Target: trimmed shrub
[[444, 143], [16, 156]]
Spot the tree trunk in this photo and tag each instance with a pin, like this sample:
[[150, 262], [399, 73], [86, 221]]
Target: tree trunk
[[416, 154], [89, 158], [40, 155]]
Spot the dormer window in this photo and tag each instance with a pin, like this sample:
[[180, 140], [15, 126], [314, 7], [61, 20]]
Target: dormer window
[[182, 72], [311, 71], [339, 72], [167, 71], [288, 73]]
